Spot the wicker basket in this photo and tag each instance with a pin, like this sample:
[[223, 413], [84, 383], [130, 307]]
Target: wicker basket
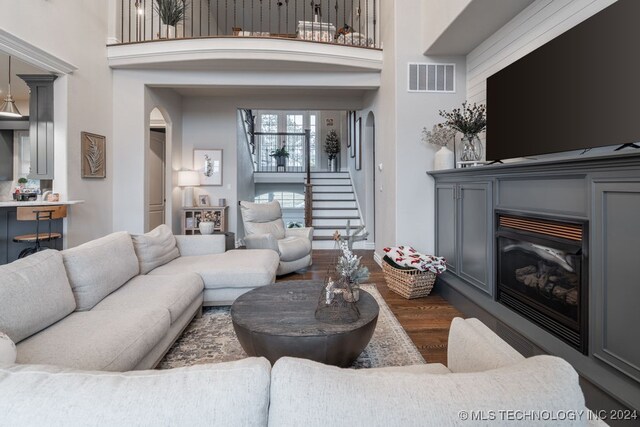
[[409, 283]]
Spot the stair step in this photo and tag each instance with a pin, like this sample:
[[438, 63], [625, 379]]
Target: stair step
[[329, 175], [336, 222], [330, 181], [347, 195], [344, 204], [332, 188], [335, 212]]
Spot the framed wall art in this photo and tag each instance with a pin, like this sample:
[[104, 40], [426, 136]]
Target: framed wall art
[[358, 144], [208, 163], [94, 155], [203, 200], [349, 127]]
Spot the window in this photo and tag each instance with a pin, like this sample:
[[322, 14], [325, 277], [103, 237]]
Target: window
[[289, 122], [287, 199]]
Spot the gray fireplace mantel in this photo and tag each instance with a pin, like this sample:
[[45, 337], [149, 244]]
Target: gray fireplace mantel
[[604, 191]]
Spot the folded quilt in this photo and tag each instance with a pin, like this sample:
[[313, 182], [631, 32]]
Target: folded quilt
[[406, 256]]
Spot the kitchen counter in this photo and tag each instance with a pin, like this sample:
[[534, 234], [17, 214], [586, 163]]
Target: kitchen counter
[[14, 204], [11, 227]]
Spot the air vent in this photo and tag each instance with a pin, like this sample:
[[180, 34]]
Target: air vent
[[549, 228], [424, 77]]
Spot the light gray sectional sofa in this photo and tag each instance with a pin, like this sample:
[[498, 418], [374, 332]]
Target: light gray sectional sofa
[[485, 378], [118, 303]]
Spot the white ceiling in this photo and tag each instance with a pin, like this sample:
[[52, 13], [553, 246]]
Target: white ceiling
[[479, 20], [19, 88]]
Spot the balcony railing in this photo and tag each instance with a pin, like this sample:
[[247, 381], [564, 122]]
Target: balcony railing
[[344, 22]]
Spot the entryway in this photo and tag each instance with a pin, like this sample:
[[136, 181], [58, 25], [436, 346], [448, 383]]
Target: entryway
[[156, 167]]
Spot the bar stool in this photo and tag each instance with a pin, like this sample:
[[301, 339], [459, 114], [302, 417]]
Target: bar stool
[[37, 214]]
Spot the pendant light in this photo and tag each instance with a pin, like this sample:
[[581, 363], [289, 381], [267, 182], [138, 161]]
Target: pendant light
[[9, 108]]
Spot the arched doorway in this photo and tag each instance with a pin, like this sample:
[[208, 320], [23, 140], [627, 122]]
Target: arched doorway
[[156, 201], [370, 162]]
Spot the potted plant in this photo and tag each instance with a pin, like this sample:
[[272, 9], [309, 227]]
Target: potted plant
[[470, 121], [171, 12], [332, 148], [280, 154], [22, 182]]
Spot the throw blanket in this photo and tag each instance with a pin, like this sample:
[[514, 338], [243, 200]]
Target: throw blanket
[[406, 256]]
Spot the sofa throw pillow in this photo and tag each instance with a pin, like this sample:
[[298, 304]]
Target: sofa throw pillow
[[155, 248], [99, 267], [7, 350], [34, 294]]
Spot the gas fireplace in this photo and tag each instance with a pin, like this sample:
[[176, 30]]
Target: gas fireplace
[[542, 273]]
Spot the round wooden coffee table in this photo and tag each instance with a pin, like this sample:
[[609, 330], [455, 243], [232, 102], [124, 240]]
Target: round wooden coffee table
[[279, 320]]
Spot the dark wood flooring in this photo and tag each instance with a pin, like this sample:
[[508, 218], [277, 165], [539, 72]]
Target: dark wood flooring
[[426, 320]]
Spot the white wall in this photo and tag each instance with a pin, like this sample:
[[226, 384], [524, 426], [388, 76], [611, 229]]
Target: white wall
[[83, 100], [404, 209]]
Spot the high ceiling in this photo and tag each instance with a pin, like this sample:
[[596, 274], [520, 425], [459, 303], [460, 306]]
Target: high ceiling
[[19, 88]]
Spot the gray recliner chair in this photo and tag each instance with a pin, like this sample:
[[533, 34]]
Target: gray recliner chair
[[264, 229]]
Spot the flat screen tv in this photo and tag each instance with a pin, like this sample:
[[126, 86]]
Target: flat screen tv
[[580, 90]]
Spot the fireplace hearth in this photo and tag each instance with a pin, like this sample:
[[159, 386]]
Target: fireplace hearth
[[542, 267]]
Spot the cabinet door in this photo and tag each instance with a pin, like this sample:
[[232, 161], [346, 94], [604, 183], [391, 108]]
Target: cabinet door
[[615, 292], [475, 235], [446, 224], [6, 155]]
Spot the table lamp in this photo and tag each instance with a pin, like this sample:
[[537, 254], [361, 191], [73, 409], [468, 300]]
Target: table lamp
[[188, 179]]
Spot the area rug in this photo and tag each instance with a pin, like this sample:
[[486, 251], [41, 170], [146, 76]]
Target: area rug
[[211, 339]]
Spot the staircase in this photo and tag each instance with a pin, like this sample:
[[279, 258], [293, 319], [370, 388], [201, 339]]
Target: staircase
[[334, 203]]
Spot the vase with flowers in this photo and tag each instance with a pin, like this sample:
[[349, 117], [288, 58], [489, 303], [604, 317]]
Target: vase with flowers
[[207, 223], [469, 120], [441, 136], [351, 272]]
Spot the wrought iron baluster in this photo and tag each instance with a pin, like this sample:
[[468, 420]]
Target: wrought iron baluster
[[375, 22]]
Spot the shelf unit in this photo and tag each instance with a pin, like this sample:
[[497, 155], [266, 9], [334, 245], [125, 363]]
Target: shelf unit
[[191, 218]]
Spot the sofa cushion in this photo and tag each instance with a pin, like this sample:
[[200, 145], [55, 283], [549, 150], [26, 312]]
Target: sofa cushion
[[174, 293], [155, 248], [224, 394], [263, 218], [293, 248], [103, 340], [7, 350], [238, 268], [99, 267], [305, 393], [34, 293]]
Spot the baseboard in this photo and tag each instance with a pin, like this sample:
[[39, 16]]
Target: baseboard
[[377, 258], [370, 246]]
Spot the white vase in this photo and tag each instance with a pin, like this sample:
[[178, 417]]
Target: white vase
[[443, 159], [167, 31], [206, 227]]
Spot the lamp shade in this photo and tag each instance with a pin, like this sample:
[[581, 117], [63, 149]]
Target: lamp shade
[[188, 179], [9, 108]]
